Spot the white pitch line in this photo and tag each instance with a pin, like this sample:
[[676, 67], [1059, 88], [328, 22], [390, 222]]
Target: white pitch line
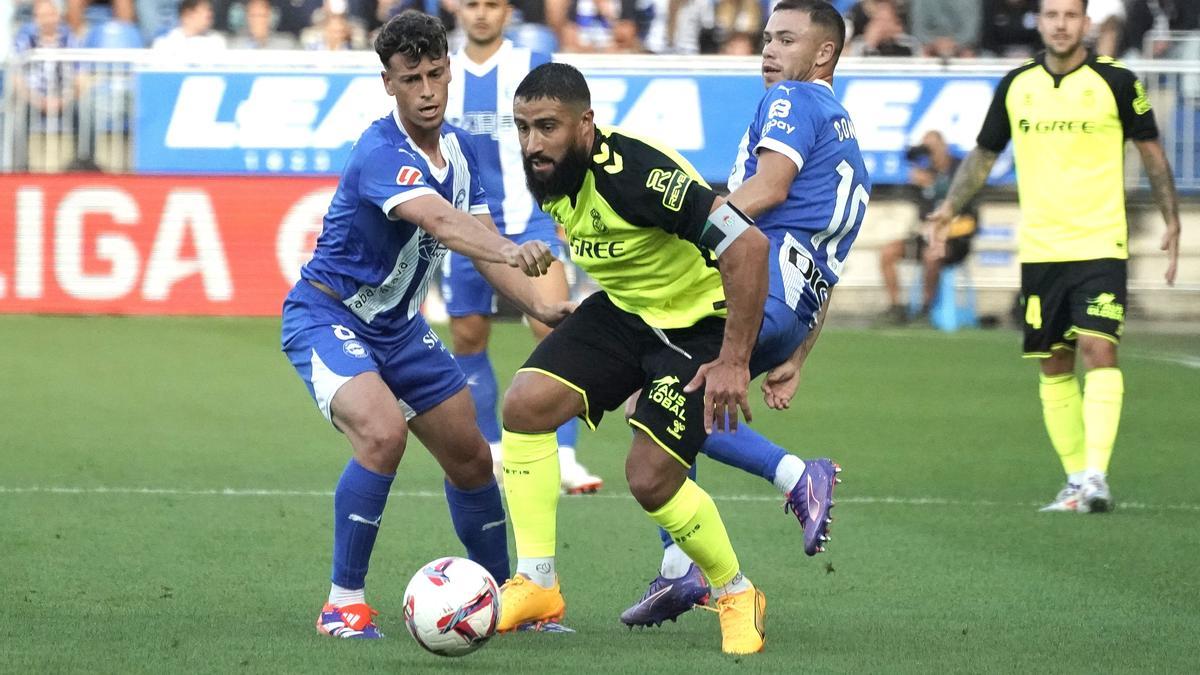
[[429, 494]]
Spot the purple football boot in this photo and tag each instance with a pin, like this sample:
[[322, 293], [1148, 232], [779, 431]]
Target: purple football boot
[[811, 500], [666, 599]]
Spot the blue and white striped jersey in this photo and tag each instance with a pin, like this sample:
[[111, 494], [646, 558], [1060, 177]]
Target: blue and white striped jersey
[[381, 267], [481, 102]]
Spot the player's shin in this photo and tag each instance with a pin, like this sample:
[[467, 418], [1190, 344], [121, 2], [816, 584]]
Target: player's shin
[[692, 520], [750, 451], [481, 380], [531, 484], [1103, 395], [358, 503], [675, 562], [478, 517], [1062, 411]]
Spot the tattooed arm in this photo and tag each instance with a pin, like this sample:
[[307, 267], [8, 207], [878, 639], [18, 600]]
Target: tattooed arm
[[970, 177], [1162, 185]]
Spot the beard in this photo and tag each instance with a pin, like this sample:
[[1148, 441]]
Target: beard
[[564, 179]]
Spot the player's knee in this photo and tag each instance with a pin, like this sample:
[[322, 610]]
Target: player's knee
[[532, 405], [1098, 353], [653, 480], [472, 469], [380, 445]]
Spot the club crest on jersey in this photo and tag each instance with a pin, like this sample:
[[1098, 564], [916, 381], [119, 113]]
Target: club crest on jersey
[[430, 248], [409, 175], [355, 349]]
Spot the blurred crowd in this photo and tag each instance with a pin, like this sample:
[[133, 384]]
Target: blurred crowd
[[937, 28]]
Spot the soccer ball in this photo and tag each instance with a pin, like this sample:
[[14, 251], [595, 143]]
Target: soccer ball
[[451, 606]]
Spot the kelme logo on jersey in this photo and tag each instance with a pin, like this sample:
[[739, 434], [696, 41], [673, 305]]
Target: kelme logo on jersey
[[1057, 126], [1106, 306]]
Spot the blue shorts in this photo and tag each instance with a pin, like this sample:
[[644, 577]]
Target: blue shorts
[[465, 290], [782, 332], [789, 313], [328, 345]]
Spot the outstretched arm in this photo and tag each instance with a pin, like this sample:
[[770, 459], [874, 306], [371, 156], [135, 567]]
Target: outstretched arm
[[513, 285], [1162, 185], [462, 233]]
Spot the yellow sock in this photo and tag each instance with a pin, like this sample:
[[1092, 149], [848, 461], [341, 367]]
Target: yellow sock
[[1103, 393], [1062, 409], [692, 519], [531, 484]]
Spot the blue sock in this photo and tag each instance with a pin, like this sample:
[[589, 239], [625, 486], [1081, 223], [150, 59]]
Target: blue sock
[[568, 433], [745, 449], [478, 518], [358, 503], [482, 381], [663, 534]]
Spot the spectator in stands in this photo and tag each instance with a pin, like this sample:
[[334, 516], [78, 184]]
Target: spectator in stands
[[118, 32], [1010, 28], [946, 28], [932, 170], [600, 26], [674, 26], [260, 19], [1108, 20], [51, 91], [883, 34], [156, 17], [334, 29], [76, 19], [739, 25], [860, 13], [1144, 16], [194, 32]]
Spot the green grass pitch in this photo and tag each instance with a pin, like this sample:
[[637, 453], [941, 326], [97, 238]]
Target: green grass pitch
[[165, 507]]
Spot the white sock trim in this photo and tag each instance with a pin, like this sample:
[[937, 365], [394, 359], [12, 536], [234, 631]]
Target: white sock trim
[[340, 597], [675, 562], [739, 584], [540, 571], [788, 473]]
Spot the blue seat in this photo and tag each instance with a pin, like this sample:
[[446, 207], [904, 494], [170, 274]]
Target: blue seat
[[953, 305]]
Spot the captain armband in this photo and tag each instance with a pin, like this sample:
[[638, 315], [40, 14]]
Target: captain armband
[[724, 225]]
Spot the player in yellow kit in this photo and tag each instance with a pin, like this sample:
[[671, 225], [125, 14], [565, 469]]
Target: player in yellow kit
[[1068, 114]]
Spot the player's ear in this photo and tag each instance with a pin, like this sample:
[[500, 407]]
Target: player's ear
[[825, 53], [387, 85]]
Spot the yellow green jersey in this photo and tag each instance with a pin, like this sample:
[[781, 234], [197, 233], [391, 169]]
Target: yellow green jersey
[[637, 226], [1068, 134]]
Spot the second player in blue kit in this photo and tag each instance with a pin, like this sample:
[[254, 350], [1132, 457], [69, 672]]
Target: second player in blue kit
[[486, 72], [353, 331], [799, 173]]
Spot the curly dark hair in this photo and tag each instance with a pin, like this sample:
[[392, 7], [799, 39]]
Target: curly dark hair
[[414, 34]]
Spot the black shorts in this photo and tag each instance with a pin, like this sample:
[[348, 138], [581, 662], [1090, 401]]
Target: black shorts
[[606, 354], [1065, 299], [957, 249]]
